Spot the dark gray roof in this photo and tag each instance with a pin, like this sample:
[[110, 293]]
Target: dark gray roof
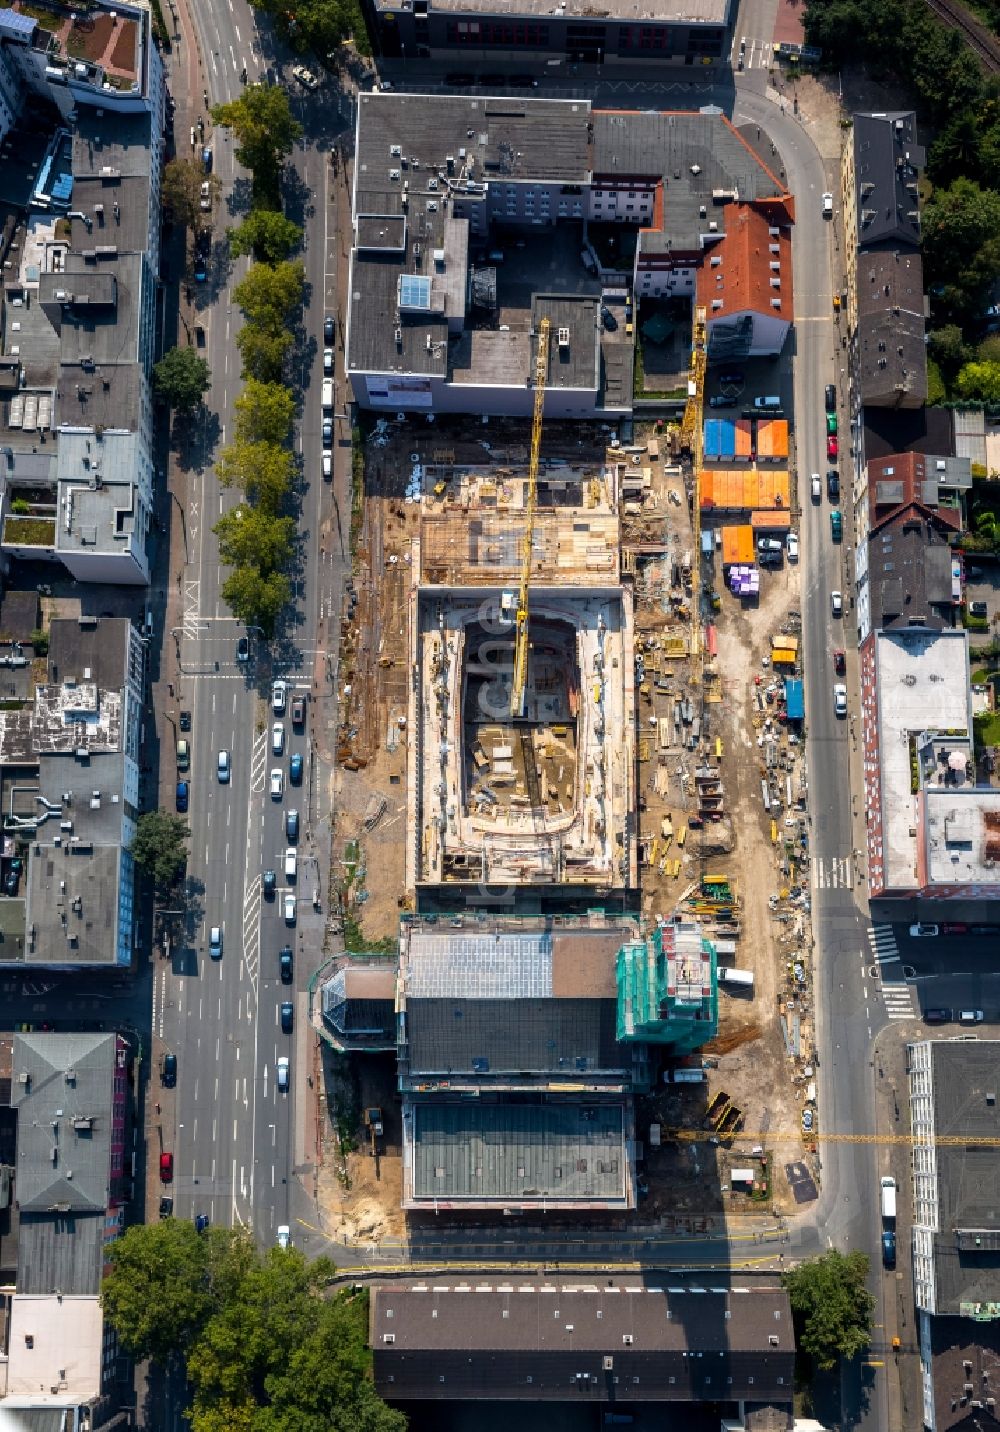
[[909, 573], [64, 1106], [514, 1038], [954, 1342], [887, 161], [19, 615], [892, 430], [577, 364], [61, 1252], [72, 892], [522, 1337], [666, 145], [100, 647], [495, 1152], [890, 349], [964, 1082], [359, 1006], [373, 320]]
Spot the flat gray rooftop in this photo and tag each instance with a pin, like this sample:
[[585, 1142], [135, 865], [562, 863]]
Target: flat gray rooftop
[[577, 362], [487, 1152], [72, 904], [695, 12]]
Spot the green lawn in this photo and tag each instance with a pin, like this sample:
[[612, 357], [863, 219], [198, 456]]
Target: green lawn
[[987, 728]]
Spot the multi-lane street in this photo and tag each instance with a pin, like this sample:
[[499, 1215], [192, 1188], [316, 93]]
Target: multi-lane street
[[236, 1136]]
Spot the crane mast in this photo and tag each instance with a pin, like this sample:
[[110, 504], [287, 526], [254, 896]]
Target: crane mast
[[520, 682]]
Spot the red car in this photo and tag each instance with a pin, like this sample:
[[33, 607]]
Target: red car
[[839, 662], [831, 448], [955, 928], [166, 1168]]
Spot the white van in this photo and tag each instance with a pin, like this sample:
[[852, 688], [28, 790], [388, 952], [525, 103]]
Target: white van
[[327, 394], [768, 403], [291, 863]]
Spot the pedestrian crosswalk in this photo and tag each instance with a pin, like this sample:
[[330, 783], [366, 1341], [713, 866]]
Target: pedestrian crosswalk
[[899, 996], [833, 873]]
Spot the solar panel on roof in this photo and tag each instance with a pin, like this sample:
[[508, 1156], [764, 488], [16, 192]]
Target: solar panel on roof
[[414, 291]]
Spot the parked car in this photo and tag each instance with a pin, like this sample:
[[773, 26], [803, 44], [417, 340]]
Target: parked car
[[291, 862], [608, 319], [937, 1016], [721, 401], [922, 931], [278, 738], [768, 544], [184, 720], [289, 908], [287, 1016], [327, 467], [328, 432], [283, 1074], [224, 768], [279, 696], [168, 1071], [305, 77], [827, 206], [328, 328], [299, 711], [792, 546], [731, 376], [270, 884], [181, 797], [955, 927], [183, 753], [833, 484], [839, 662], [816, 487], [327, 360], [166, 1168], [295, 769], [285, 964], [836, 523], [277, 783], [205, 202], [831, 425], [978, 609], [840, 699], [292, 824], [831, 398], [166, 1206], [970, 1016], [832, 448], [206, 159], [215, 942], [888, 1248], [836, 604]]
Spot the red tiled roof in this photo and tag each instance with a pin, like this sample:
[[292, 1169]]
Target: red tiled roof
[[742, 278]]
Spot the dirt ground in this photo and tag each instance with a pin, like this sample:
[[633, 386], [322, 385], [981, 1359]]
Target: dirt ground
[[359, 1196]]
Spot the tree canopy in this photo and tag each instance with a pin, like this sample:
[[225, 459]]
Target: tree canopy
[[160, 846], [270, 294], [249, 536], [961, 244], [182, 377], [979, 382], [262, 470], [265, 234], [318, 25], [181, 192], [268, 1348], [264, 412], [265, 131], [256, 596], [831, 1306]]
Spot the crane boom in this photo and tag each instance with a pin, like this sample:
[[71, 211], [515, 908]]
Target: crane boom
[[520, 682]]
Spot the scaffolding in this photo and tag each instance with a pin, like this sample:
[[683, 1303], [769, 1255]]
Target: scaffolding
[[667, 988]]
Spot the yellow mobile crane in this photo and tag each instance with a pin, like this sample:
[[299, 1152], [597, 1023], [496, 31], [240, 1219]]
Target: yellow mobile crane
[[520, 682]]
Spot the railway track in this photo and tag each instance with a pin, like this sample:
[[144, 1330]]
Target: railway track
[[979, 39]]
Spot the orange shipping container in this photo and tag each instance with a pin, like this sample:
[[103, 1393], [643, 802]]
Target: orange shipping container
[[737, 545], [775, 521], [744, 440]]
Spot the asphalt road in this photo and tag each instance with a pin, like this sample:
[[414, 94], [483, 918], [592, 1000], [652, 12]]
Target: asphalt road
[[236, 1138]]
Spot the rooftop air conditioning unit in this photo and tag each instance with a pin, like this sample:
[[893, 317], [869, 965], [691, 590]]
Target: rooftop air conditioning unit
[[564, 338]]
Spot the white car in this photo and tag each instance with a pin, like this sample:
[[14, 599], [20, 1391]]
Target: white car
[[205, 203], [816, 488], [327, 466], [279, 696], [827, 206], [215, 942], [840, 699], [792, 546], [282, 1080], [327, 360], [923, 931], [289, 908], [837, 604], [291, 862], [284, 1236], [277, 783], [278, 738], [224, 767], [305, 77]]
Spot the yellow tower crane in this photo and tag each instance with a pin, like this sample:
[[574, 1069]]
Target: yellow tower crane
[[691, 434], [520, 682]]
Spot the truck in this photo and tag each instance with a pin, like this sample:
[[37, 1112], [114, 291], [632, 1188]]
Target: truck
[[888, 1186], [729, 976]]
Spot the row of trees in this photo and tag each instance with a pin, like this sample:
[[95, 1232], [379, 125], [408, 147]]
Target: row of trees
[[958, 108], [267, 1347], [256, 538], [318, 25]]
